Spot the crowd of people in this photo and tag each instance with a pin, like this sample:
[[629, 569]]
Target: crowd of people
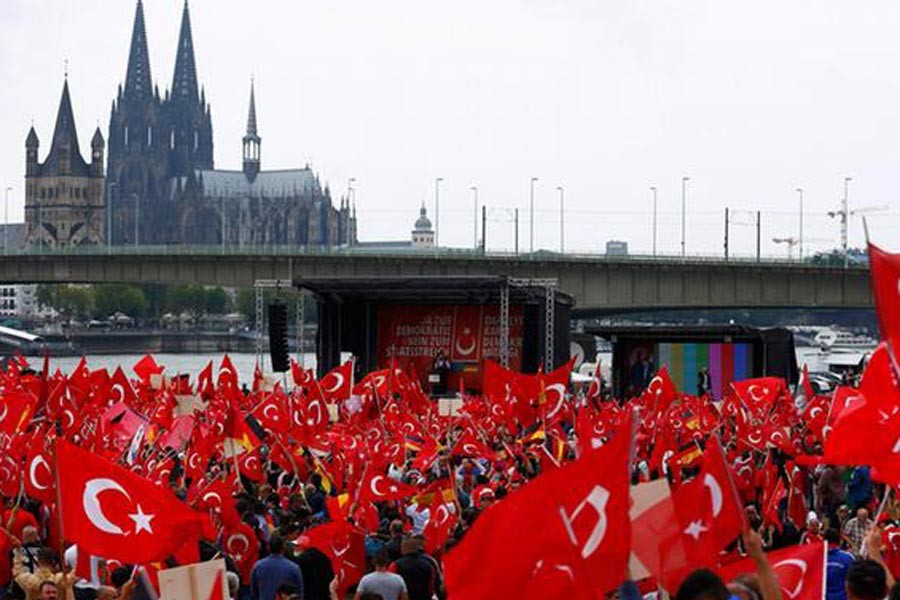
[[334, 489]]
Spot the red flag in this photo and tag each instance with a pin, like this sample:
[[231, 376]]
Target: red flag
[[584, 534], [147, 367], [111, 512], [227, 373], [302, 377], [218, 588], [660, 392], [39, 481], [380, 488], [344, 545], [760, 394], [239, 541], [709, 508], [204, 380], [800, 570], [16, 408], [885, 268], [120, 389], [335, 385], [469, 445]]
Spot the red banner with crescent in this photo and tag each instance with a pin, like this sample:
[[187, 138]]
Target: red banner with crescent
[[414, 335]]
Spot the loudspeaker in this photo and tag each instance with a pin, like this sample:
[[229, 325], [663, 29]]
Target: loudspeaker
[[278, 341]]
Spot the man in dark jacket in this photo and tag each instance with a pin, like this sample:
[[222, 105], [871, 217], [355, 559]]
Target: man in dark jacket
[[416, 570]]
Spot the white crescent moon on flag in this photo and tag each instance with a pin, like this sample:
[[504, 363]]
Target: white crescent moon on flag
[[117, 392], [560, 389], [373, 486], [266, 414], [340, 381], [240, 537], [91, 504], [215, 495], [32, 471], [4, 413], [793, 562], [715, 492]]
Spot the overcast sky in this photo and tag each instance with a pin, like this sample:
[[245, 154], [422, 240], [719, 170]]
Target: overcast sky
[[604, 98]]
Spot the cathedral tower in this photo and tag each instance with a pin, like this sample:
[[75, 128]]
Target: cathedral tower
[[252, 141]]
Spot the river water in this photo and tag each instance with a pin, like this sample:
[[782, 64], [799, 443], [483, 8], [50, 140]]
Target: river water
[[244, 362]]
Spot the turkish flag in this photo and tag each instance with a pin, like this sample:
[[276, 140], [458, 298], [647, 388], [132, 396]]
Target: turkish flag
[[760, 394], [336, 384], [660, 392], [469, 445], [39, 481], [16, 408], [227, 373], [709, 508], [381, 488], [800, 570], [344, 545], [302, 377], [885, 269], [240, 543], [581, 547], [111, 512]]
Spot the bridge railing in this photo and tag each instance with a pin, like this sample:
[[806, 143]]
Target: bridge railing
[[544, 256]]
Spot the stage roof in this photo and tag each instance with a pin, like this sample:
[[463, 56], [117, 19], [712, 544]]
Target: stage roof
[[423, 290]]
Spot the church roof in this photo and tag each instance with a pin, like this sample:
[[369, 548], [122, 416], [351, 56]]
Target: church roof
[[65, 141], [271, 184], [423, 223], [32, 140]]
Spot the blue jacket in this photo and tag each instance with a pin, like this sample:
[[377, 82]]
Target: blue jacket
[[269, 573], [836, 574]]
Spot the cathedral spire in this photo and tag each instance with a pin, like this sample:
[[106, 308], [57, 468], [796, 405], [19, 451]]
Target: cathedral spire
[[184, 81], [137, 80], [252, 141], [251, 117]]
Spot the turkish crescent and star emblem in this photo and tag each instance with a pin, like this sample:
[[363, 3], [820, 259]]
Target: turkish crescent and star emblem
[[94, 511]]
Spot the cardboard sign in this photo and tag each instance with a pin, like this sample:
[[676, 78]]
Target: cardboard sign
[[194, 582]]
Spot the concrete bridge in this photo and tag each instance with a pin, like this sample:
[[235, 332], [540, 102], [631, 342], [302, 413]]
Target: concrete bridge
[[597, 282]]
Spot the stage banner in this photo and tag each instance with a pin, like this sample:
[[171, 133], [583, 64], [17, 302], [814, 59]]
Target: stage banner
[[414, 336]]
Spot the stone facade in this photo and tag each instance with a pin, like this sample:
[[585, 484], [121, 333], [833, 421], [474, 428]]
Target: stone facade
[[64, 195]]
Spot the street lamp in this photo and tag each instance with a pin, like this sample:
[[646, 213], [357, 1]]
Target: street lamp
[[109, 197], [474, 189], [137, 218], [351, 199], [800, 235], [845, 221], [562, 219], [6, 221], [437, 209], [531, 217], [684, 181], [653, 189]]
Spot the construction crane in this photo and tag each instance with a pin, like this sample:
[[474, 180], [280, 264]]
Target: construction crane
[[844, 213]]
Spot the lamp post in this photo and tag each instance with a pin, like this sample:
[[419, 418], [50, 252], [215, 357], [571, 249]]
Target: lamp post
[[474, 189], [137, 218], [437, 211], [684, 181], [653, 233], [109, 197], [350, 193], [800, 236], [531, 217], [845, 221], [6, 221], [562, 218]]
